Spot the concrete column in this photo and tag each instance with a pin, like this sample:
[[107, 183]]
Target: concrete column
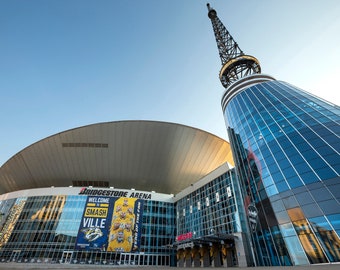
[[224, 252], [205, 256], [215, 255], [195, 253], [180, 258], [243, 252], [188, 259]]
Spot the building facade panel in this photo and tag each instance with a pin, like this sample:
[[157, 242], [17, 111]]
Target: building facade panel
[[88, 229], [211, 222], [286, 142]]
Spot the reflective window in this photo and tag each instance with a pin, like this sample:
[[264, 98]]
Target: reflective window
[[219, 215], [293, 136], [309, 177], [287, 229], [282, 186], [45, 229], [335, 221], [335, 190], [330, 207], [327, 237], [290, 202], [295, 250], [307, 238], [311, 210], [304, 198], [321, 194], [326, 173]]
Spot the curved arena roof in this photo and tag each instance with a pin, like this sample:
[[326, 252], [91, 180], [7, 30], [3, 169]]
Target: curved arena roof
[[145, 155]]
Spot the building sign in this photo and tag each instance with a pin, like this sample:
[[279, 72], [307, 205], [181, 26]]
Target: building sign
[[115, 193], [185, 245], [110, 224], [252, 216], [184, 236]]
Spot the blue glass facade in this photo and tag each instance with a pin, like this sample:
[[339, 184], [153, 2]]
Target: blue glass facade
[[211, 224], [212, 207], [286, 148], [44, 229]]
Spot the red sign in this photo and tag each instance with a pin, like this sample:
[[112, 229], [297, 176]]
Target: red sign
[[184, 236]]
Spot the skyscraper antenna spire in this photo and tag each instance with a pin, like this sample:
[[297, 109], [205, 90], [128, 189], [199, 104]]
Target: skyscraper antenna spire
[[235, 64]]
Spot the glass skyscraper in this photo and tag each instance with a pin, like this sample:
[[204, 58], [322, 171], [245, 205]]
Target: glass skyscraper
[[286, 146], [286, 149]]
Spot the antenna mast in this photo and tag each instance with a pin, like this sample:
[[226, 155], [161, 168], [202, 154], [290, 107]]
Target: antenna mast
[[235, 64]]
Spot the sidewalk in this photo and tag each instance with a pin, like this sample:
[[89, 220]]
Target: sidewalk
[[32, 266]]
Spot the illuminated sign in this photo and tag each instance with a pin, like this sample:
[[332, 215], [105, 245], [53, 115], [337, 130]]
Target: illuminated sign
[[115, 193], [184, 236]]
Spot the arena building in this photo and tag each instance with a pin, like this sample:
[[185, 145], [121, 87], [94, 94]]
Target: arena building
[[155, 193], [112, 193]]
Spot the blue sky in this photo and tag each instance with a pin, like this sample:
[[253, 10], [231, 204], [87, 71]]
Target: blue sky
[[69, 63]]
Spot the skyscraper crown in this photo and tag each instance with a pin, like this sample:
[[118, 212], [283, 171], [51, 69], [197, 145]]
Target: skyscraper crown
[[235, 64]]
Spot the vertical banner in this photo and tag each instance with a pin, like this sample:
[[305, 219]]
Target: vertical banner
[[9, 216], [126, 225], [111, 224], [95, 224]]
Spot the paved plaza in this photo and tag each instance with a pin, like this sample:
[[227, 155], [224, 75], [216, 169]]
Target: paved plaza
[[32, 266]]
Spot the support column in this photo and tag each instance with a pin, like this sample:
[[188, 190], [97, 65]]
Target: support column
[[187, 256], [196, 257], [224, 256], [180, 258], [205, 256], [215, 254], [228, 253], [244, 258]]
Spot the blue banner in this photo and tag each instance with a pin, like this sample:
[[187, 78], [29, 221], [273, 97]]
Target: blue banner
[[95, 223], [111, 224]]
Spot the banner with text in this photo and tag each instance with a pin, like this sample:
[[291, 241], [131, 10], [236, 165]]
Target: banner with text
[[111, 224]]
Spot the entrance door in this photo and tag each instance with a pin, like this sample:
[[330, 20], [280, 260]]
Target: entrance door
[[15, 255], [66, 257]]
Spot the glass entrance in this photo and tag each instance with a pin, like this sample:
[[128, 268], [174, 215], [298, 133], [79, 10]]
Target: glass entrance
[[15, 255], [66, 257]]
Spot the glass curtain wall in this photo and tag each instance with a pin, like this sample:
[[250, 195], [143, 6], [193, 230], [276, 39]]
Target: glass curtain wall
[[208, 222], [209, 210], [286, 145], [44, 230], [159, 232]]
